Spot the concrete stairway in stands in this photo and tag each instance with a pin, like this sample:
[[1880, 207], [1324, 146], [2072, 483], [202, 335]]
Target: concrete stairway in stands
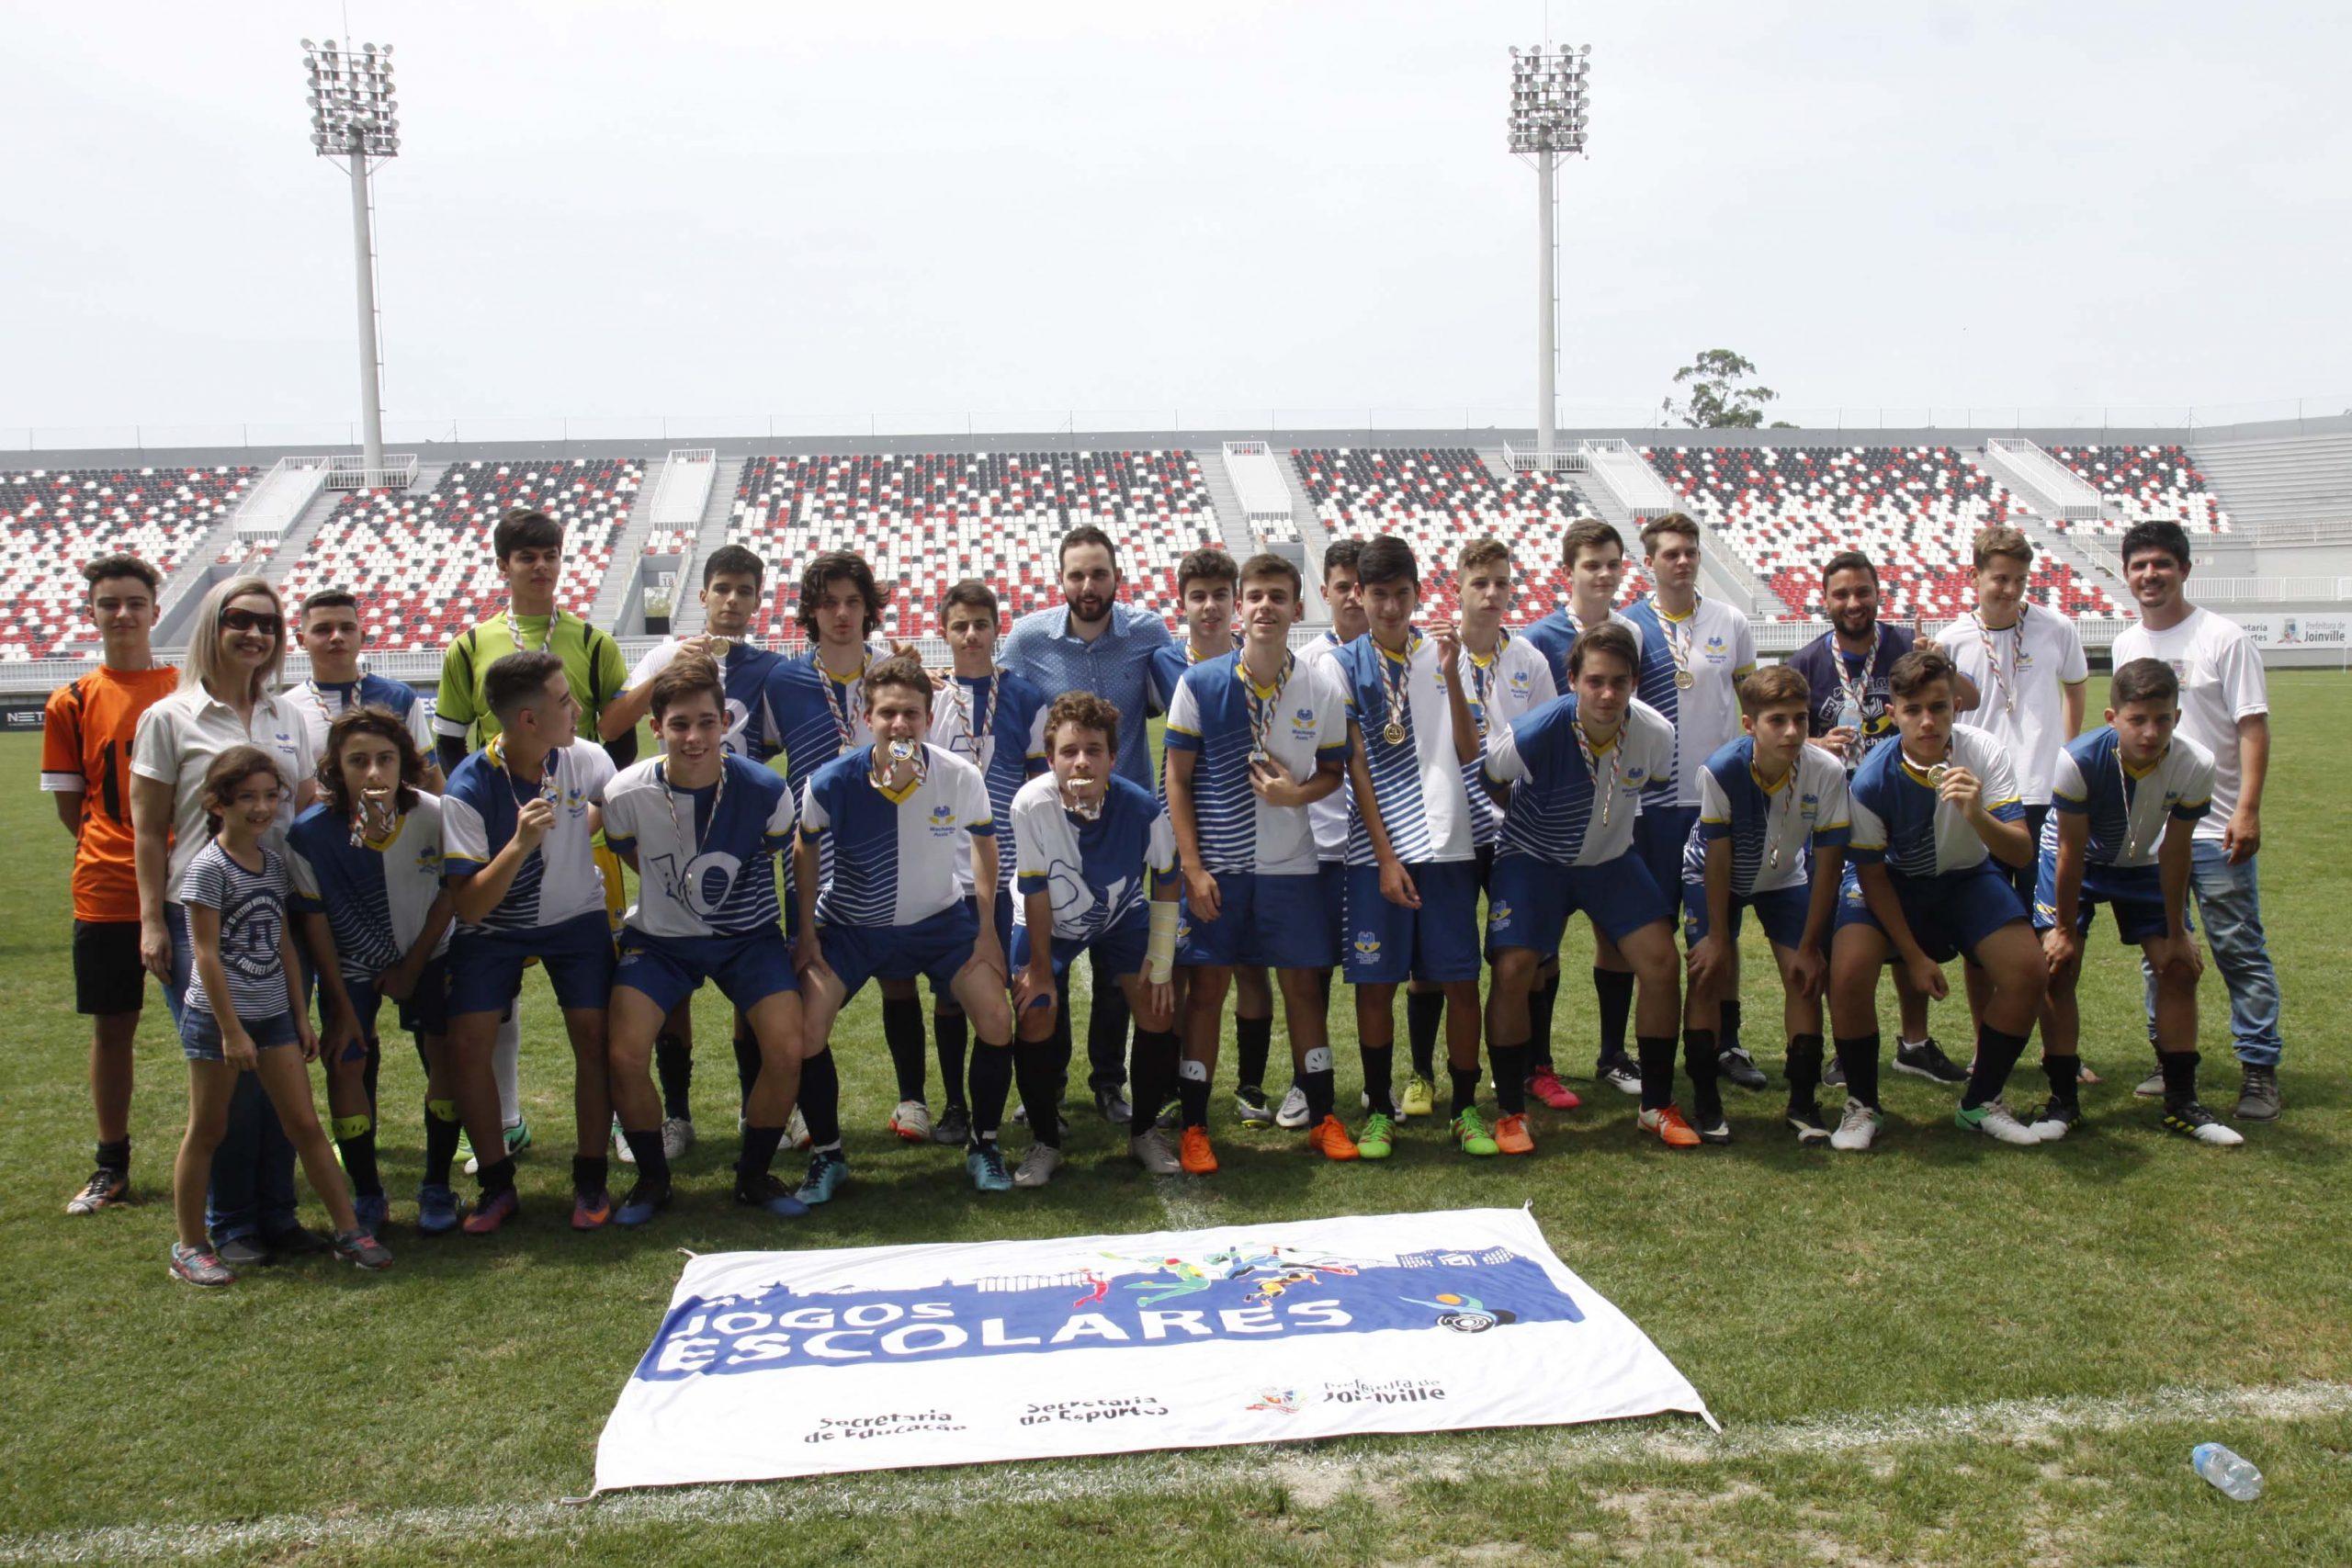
[[687, 616], [1232, 524], [612, 593], [2284, 490], [1314, 538]]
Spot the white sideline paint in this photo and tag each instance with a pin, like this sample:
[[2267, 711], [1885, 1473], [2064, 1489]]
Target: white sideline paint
[[1325, 1472]]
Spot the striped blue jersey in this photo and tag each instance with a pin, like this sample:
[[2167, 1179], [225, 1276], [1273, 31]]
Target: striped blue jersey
[[1714, 644], [1556, 811], [1898, 818], [818, 714], [1305, 725], [1840, 679], [2128, 809], [1416, 781], [1096, 873], [1773, 828], [319, 702], [558, 880], [1013, 749], [894, 861], [705, 858], [375, 897], [753, 728], [1513, 681], [1556, 633]]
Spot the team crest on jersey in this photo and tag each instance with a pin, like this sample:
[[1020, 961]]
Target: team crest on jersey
[[1302, 725], [942, 821], [1367, 945], [1519, 682], [1809, 803], [1635, 776]]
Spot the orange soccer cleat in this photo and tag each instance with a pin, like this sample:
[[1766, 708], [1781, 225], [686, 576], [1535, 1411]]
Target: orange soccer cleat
[[1671, 1129], [1511, 1136], [1194, 1155], [1330, 1135]]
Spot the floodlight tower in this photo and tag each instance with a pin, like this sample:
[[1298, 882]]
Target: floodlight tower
[[1548, 110], [352, 116]]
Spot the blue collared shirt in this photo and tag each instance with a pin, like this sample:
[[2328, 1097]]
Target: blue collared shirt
[[1116, 667]]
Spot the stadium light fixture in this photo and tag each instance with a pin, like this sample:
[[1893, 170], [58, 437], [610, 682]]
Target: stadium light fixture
[[352, 107], [1550, 109]]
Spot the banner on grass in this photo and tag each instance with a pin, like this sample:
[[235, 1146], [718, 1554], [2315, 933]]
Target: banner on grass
[[775, 1364]]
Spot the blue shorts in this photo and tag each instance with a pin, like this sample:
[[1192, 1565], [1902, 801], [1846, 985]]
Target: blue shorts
[[1118, 951], [1949, 914], [748, 966], [936, 947], [1281, 921], [1661, 834], [2133, 892], [200, 1033], [1780, 911], [1003, 920], [427, 1011], [1530, 900], [486, 966], [1437, 943], [1333, 905]]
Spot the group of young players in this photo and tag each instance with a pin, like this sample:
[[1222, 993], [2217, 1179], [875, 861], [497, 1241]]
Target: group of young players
[[1336, 809]]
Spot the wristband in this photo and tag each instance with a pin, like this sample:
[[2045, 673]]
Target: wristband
[[1159, 945]]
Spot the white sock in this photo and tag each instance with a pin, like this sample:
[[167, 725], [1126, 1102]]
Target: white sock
[[506, 1065]]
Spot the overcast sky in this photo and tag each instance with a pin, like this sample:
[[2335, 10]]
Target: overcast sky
[[816, 209]]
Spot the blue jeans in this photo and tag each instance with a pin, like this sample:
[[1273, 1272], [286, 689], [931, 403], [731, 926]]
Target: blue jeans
[[252, 1191], [2229, 902]]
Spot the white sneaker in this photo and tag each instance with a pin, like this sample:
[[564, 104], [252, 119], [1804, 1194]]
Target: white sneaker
[[795, 1130], [621, 1151], [1365, 1099], [1856, 1128], [1037, 1166], [1292, 1111], [1150, 1150], [1621, 1075], [677, 1136], [911, 1121], [1993, 1119]]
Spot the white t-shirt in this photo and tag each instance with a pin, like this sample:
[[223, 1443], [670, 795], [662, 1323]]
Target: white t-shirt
[[1330, 814], [2221, 683], [2019, 672], [178, 738]]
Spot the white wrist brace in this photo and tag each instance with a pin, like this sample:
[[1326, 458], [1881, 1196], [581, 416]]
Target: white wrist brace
[[1159, 946]]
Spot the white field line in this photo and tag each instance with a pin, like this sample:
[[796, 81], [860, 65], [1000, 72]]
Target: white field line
[[1321, 1471]]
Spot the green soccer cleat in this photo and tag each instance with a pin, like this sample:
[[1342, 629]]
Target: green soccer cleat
[[1470, 1134], [1378, 1139]]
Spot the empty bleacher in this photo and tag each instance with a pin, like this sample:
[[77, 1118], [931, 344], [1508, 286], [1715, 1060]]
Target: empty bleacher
[[2140, 484], [54, 520]]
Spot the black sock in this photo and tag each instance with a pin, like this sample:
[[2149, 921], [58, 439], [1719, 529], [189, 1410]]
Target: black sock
[[1192, 1091], [1858, 1055], [1996, 1051], [1424, 1016], [1727, 1025], [1314, 1077], [1378, 1071], [1699, 1059], [441, 1131], [496, 1177], [1804, 1068], [2179, 1068], [1039, 1077], [2065, 1074], [1324, 977], [950, 1032], [652, 1162], [1615, 991], [591, 1172], [1253, 1038], [1152, 1073], [760, 1144], [1657, 1053], [991, 1079], [674, 1064], [1510, 1078], [115, 1156], [358, 1152], [747, 1059], [1540, 1001], [902, 1033], [1465, 1089], [821, 1101]]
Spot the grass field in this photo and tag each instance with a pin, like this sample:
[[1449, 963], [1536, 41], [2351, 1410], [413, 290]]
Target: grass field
[[1944, 1352]]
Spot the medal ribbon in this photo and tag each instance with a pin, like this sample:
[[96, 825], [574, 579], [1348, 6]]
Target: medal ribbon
[[688, 833], [1262, 705], [515, 630], [837, 697], [1607, 792], [2006, 679]]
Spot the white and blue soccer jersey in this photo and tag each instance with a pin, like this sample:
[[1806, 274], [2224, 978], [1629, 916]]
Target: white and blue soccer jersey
[[558, 880], [1013, 749], [1096, 873], [1899, 820], [1417, 783], [1717, 648], [1557, 812], [1330, 816], [1304, 720], [705, 858], [894, 861], [818, 716], [375, 897], [753, 730], [1510, 683], [1555, 634], [1773, 828], [319, 702], [2128, 810]]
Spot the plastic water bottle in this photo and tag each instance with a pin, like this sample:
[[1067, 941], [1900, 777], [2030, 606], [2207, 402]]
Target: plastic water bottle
[[2234, 1476]]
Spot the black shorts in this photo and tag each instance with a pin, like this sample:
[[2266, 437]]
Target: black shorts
[[108, 976]]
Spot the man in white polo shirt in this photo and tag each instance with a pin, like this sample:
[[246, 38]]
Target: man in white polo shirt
[[2225, 707]]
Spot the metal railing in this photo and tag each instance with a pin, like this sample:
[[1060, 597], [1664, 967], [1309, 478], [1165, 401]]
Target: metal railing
[[348, 471], [2046, 481], [1561, 460], [278, 498], [685, 490], [2270, 590]]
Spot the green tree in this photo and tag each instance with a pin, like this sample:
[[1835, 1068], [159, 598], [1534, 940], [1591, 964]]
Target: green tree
[[1718, 399]]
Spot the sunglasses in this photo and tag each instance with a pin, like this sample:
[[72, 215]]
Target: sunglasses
[[253, 621]]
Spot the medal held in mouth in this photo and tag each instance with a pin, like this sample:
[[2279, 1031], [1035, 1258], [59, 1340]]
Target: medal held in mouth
[[888, 759], [374, 815], [1082, 795]]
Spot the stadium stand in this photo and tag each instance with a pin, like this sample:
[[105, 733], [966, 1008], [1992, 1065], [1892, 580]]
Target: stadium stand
[[1434, 498], [424, 558], [1912, 508], [2144, 484], [925, 519], [52, 519], [669, 541]]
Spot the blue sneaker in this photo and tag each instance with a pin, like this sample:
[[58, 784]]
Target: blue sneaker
[[437, 1211], [764, 1192], [827, 1168], [644, 1200], [986, 1165], [373, 1212]]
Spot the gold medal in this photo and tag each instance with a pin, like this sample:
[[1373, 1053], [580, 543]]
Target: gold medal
[[1685, 680], [1393, 732], [1937, 774]]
